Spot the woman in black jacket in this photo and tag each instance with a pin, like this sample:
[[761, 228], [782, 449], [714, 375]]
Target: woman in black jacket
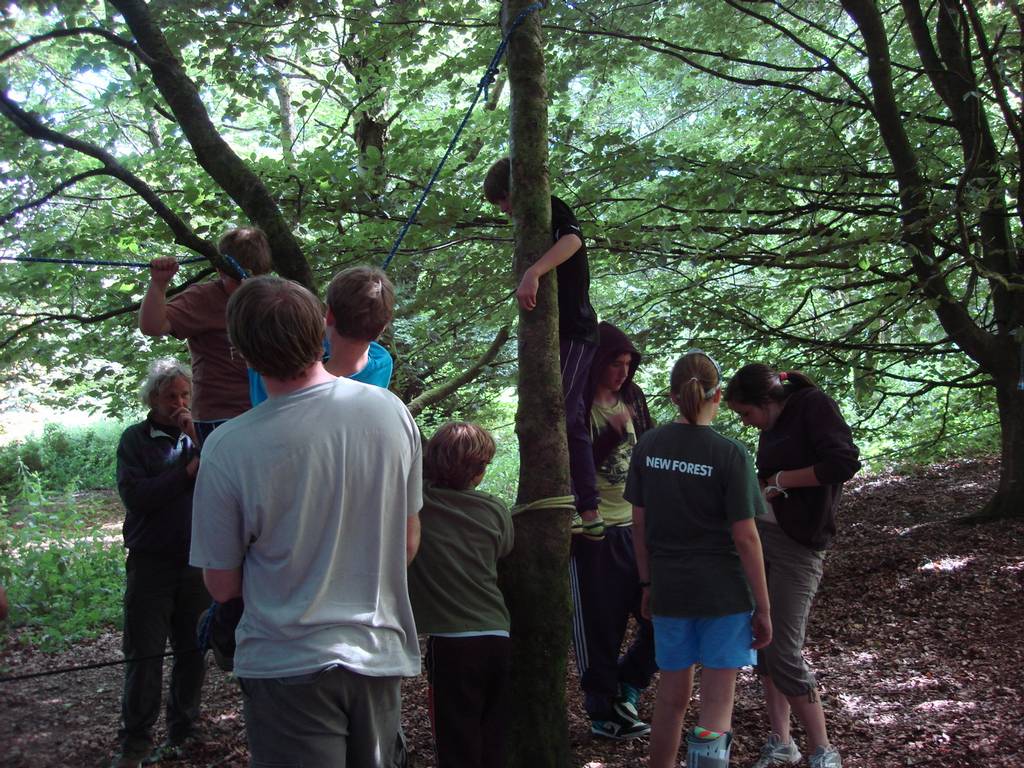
[[805, 453]]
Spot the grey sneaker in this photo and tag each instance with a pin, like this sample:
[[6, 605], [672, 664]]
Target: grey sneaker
[[825, 757], [774, 752]]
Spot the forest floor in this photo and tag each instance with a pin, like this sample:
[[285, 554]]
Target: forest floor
[[915, 636]]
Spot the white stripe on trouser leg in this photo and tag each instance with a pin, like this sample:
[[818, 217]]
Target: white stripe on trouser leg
[[573, 345], [578, 632]]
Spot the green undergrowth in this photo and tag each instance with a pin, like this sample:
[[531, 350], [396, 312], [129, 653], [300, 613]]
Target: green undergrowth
[[61, 459], [62, 563]]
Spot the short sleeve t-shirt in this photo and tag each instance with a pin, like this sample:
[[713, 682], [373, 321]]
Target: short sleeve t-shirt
[[694, 484], [576, 317], [377, 371], [310, 494], [611, 475], [220, 386]]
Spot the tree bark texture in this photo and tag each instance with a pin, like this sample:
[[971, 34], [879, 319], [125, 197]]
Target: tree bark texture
[[212, 152], [948, 62], [535, 576]]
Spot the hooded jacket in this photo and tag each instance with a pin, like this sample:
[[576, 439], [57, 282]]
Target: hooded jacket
[[613, 343]]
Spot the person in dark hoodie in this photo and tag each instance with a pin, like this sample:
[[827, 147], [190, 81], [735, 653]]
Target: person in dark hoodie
[[453, 587], [157, 462], [804, 455], [603, 572]]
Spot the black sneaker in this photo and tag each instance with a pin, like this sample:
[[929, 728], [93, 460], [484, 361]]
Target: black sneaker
[[619, 728]]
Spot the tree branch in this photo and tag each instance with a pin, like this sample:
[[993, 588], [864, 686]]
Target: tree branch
[[33, 127], [440, 392]]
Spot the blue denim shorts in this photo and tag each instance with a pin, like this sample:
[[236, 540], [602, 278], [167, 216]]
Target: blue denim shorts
[[719, 642]]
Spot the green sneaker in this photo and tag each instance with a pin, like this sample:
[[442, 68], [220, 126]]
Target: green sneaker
[[628, 701], [619, 728]]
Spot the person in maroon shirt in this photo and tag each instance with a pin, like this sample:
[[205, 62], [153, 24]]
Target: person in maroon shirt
[[198, 315], [804, 455]]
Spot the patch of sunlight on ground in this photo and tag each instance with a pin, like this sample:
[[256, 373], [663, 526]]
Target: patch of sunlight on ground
[[946, 705], [916, 683], [946, 564], [1014, 567], [870, 711]]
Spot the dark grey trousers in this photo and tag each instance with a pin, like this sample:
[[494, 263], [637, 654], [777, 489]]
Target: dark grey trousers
[[794, 573], [328, 719], [162, 600]]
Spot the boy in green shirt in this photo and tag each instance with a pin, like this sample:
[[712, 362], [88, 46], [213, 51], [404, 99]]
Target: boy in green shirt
[[453, 586]]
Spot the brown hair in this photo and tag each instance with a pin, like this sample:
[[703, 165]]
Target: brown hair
[[456, 454], [362, 300], [497, 181], [757, 384], [276, 325], [695, 379], [249, 247]]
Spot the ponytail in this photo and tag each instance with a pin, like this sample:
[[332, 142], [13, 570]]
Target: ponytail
[[695, 379], [757, 384]]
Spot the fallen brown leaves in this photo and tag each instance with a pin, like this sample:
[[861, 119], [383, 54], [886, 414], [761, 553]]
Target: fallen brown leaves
[[915, 636]]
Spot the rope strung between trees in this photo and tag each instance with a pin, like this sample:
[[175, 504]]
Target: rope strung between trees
[[96, 263], [96, 665], [551, 502], [485, 82]]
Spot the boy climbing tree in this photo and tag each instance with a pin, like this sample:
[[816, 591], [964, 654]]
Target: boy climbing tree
[[577, 335]]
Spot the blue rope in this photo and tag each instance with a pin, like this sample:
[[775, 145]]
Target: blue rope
[[485, 82], [100, 263]]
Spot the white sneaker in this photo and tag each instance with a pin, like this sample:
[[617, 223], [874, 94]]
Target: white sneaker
[[825, 757], [774, 752]]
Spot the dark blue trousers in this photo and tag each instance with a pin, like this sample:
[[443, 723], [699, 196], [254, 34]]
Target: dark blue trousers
[[606, 592]]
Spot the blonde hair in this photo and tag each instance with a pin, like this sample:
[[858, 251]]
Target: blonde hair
[[695, 379], [457, 453]]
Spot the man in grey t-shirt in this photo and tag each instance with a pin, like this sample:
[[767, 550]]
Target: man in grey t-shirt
[[307, 507]]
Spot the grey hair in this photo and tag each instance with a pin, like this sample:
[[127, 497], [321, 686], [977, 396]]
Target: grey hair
[[161, 371]]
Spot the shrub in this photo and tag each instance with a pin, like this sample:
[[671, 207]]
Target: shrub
[[64, 576], [63, 458]]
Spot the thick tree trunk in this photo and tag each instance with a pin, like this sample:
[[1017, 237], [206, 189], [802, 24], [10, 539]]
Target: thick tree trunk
[[535, 576], [1009, 498], [948, 66]]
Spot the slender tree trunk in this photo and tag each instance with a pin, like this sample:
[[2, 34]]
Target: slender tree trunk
[[535, 576]]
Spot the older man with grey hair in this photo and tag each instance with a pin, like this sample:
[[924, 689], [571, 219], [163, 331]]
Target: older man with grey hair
[[157, 462]]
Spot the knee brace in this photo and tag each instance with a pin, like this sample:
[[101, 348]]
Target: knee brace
[[701, 753]]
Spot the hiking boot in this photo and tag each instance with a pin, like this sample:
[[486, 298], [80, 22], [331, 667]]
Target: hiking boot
[[627, 704], [619, 728], [774, 752], [825, 757], [172, 749]]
